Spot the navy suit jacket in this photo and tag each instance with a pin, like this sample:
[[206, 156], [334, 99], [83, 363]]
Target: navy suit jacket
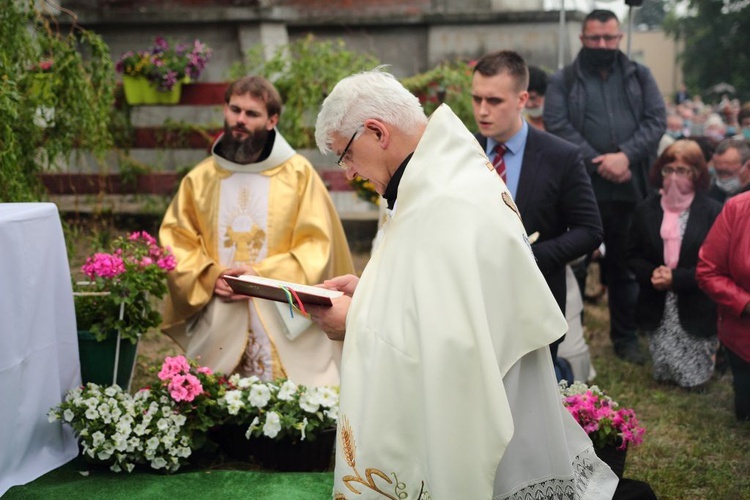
[[556, 199]]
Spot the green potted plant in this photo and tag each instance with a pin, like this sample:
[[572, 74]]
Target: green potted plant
[[156, 75], [115, 305], [289, 427]]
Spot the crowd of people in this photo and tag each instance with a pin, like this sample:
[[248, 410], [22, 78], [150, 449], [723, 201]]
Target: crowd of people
[[471, 300]]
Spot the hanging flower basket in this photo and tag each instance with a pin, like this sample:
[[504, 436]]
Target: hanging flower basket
[[139, 90]]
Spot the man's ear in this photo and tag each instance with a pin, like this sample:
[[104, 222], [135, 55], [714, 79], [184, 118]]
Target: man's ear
[[380, 131], [272, 122]]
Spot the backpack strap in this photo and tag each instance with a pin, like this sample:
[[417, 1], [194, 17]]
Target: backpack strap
[[569, 77]]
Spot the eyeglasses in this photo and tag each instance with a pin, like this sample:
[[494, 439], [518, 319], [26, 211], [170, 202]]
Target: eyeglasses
[[599, 38], [680, 171], [340, 161]]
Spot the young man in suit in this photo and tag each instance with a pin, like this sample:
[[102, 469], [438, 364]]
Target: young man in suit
[[545, 175]]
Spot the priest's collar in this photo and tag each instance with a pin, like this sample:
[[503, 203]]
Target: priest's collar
[[391, 191], [275, 152]]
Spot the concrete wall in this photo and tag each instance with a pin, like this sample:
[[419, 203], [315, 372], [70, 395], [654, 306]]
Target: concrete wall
[[659, 53]]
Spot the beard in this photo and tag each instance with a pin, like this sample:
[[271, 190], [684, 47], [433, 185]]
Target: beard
[[243, 151]]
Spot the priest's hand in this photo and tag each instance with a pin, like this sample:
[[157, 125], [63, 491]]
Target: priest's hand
[[346, 283], [332, 320], [224, 291]]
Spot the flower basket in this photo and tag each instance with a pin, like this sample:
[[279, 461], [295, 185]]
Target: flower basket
[[293, 455], [613, 456], [165, 66], [139, 90]]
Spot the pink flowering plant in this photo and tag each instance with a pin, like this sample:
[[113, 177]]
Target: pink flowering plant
[[194, 389], [158, 426], [601, 417], [122, 287], [165, 64]]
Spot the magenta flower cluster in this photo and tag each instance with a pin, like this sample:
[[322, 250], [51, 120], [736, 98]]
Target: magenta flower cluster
[[111, 265], [103, 265], [602, 419], [181, 383]]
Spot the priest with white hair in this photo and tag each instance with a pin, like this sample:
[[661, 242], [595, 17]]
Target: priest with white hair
[[447, 384]]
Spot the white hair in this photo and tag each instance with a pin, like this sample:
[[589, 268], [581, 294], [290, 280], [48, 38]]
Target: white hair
[[367, 95]]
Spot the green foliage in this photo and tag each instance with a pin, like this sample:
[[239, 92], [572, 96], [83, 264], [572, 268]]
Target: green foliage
[[75, 95], [651, 13], [448, 82], [304, 72], [716, 36]]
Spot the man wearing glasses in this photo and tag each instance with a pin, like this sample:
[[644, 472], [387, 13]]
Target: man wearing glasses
[[611, 107], [255, 206], [447, 386]]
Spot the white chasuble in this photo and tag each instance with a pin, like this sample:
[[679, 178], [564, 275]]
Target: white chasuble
[[450, 305]]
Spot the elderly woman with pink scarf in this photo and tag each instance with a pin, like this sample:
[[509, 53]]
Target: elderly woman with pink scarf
[[668, 230]]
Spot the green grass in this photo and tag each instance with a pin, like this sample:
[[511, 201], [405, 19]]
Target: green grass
[[693, 448]]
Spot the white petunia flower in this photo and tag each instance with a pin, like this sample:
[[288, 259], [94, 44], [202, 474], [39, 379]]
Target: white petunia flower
[[97, 439], [246, 382], [162, 424], [259, 395], [152, 443], [273, 424], [287, 391], [253, 426], [309, 402], [328, 396]]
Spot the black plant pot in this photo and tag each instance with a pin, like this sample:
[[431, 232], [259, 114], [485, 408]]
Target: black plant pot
[[613, 457], [295, 456]]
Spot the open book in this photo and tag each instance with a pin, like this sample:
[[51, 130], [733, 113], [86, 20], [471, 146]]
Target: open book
[[271, 289]]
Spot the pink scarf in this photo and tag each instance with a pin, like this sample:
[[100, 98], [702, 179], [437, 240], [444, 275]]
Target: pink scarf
[[677, 194]]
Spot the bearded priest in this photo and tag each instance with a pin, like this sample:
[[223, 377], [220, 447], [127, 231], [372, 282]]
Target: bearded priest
[[447, 384], [254, 207]]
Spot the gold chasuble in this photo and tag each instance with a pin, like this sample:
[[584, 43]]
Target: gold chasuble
[[447, 385], [277, 217]]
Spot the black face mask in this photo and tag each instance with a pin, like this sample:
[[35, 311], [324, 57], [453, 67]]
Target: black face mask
[[598, 58]]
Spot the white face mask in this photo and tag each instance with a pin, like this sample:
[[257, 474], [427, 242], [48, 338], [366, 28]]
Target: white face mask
[[729, 185], [534, 112]]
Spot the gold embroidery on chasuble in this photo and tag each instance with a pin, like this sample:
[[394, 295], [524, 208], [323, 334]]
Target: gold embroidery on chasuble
[[243, 242], [509, 201], [244, 232], [395, 489]]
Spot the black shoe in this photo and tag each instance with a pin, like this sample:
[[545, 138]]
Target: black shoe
[[632, 354]]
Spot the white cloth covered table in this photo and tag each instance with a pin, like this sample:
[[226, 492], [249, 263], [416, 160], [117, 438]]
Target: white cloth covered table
[[38, 342]]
